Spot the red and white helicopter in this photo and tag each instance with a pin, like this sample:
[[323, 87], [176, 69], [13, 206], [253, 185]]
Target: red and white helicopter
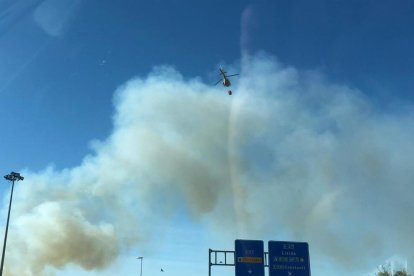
[[226, 82]]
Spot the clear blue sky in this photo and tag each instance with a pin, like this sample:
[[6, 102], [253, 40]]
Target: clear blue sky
[[62, 61]]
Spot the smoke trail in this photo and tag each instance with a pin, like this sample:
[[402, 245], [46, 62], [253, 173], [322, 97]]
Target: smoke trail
[[245, 32], [310, 159]]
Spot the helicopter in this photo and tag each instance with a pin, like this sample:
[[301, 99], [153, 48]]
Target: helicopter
[[226, 82]]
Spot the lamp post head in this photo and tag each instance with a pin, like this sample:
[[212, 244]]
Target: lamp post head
[[13, 176]]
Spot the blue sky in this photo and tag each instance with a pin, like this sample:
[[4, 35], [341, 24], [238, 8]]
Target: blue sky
[[364, 43], [322, 113]]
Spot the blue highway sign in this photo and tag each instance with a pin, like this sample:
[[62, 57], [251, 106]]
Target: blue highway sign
[[249, 258], [289, 258]]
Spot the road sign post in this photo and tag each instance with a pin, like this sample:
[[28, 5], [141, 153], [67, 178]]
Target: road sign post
[[289, 258], [249, 258]]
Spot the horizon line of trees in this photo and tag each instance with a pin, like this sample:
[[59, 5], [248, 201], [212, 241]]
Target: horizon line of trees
[[386, 271]]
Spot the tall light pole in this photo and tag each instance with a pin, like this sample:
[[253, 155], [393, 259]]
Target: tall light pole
[[140, 258], [13, 176]]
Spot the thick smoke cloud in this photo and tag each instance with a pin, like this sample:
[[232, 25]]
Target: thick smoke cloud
[[314, 159]]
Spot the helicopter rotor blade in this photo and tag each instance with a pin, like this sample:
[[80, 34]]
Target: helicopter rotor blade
[[221, 70], [232, 75], [218, 82]]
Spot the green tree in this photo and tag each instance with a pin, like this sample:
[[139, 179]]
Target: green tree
[[383, 271], [401, 273]]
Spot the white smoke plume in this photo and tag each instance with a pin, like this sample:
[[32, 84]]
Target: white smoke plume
[[289, 156]]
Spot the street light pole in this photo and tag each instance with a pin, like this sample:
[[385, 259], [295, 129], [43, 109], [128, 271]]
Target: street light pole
[[13, 176], [140, 258]]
